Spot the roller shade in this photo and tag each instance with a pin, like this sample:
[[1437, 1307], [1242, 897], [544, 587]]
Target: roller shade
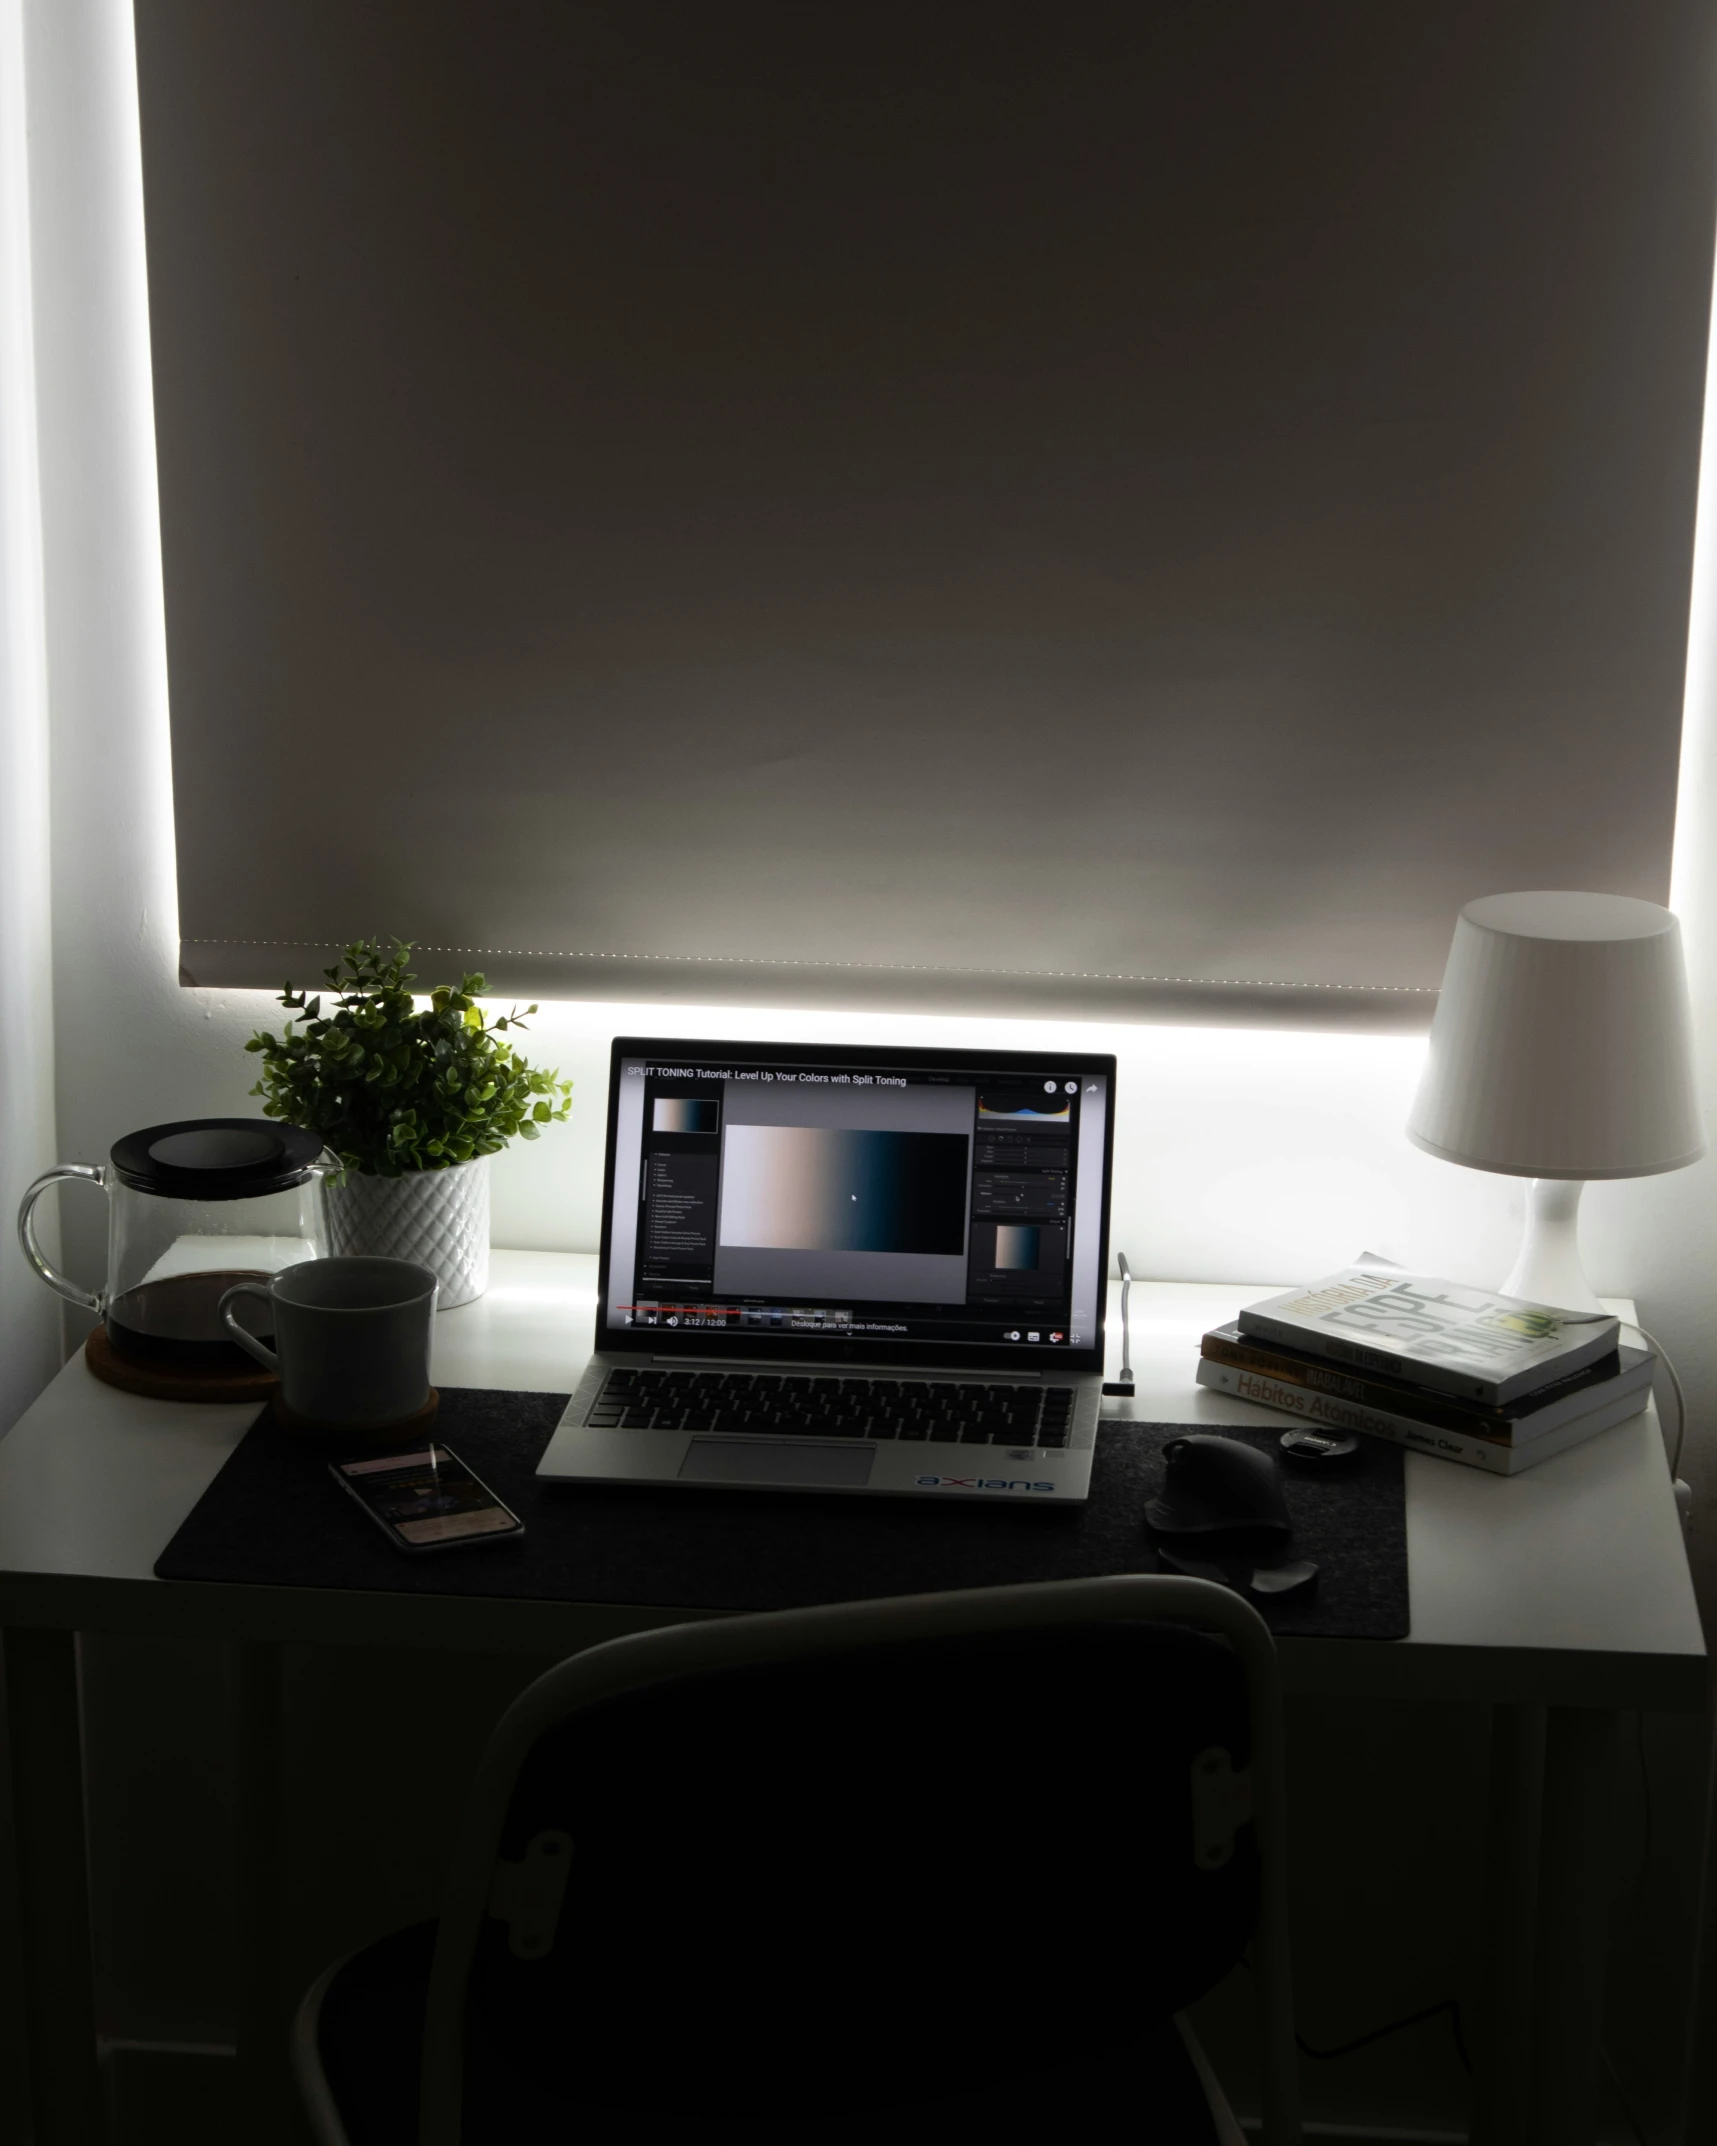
[[1110, 509]]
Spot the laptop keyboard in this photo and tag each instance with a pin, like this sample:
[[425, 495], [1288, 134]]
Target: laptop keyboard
[[937, 1411]]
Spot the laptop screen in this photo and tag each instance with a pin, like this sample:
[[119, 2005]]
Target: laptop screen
[[863, 1203]]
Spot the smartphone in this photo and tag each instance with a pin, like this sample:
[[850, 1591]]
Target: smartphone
[[426, 1499]]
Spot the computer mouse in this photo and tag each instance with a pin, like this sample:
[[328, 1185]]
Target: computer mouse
[[1212, 1483]]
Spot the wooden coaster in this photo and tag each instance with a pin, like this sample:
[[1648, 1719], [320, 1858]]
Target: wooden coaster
[[161, 1383], [381, 1434]]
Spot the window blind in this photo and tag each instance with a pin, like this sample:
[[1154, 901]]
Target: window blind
[[1118, 509]]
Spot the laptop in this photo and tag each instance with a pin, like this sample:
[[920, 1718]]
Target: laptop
[[851, 1269]]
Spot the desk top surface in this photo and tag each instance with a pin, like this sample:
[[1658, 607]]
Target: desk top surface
[[1566, 1585]]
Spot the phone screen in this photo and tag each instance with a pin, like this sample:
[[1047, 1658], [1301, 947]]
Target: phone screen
[[427, 1500]]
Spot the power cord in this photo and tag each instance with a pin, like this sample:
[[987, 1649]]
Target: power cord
[[1664, 1358], [1123, 1386], [1451, 2005]]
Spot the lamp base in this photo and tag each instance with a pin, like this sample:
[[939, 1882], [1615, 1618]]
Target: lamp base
[[1548, 1270]]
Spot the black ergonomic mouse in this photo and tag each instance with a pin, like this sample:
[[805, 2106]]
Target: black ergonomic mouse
[[1212, 1483]]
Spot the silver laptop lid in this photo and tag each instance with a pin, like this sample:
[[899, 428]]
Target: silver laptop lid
[[832, 1205]]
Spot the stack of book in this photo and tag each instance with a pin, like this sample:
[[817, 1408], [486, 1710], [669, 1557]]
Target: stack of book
[[1486, 1380]]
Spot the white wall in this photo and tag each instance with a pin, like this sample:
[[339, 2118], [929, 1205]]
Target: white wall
[[1238, 1155], [1245, 1155], [1662, 1232], [28, 1321], [1249, 1156], [124, 1038]]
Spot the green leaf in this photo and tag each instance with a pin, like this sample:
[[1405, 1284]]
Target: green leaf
[[395, 1082]]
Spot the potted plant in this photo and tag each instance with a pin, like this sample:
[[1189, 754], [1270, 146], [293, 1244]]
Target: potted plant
[[413, 1097]]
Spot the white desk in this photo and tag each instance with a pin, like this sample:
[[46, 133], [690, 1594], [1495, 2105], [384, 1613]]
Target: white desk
[[1558, 1597]]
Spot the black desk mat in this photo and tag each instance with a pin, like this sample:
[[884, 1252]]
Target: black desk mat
[[273, 1518]]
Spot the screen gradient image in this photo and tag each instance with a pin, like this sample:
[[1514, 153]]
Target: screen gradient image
[[828, 1189], [683, 1114], [1017, 1247]]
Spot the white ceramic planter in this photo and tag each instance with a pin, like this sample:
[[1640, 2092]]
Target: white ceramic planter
[[440, 1218]]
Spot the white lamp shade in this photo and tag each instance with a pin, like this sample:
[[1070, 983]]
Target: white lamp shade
[[1562, 1044]]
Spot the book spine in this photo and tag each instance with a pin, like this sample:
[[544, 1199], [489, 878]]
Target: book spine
[[1438, 1378], [1329, 1412], [1436, 1412]]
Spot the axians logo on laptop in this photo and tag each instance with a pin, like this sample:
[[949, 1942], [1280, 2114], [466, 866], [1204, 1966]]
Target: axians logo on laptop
[[978, 1482]]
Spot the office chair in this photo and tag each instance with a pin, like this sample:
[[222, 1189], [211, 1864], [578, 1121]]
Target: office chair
[[944, 1865]]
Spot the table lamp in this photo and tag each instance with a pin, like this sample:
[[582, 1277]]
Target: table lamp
[[1562, 1050]]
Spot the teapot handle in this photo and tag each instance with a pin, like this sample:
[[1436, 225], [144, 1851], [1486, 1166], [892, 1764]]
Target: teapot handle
[[85, 1299]]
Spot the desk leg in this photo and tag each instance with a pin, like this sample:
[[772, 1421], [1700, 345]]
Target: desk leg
[[1502, 2030], [1575, 1887], [46, 1737], [263, 2016]]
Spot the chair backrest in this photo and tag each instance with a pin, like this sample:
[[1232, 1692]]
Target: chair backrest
[[704, 1863]]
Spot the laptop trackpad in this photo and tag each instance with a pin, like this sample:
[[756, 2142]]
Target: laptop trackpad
[[745, 1460]]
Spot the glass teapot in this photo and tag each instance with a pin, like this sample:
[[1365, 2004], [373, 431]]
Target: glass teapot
[[192, 1209]]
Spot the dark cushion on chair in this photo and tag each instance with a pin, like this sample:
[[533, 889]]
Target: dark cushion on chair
[[926, 1835], [820, 1892], [370, 2043]]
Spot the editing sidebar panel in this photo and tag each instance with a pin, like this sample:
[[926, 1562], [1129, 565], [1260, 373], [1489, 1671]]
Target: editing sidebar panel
[[678, 1199], [1022, 1181]]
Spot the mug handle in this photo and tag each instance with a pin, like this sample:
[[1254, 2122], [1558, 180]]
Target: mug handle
[[86, 1299], [242, 1334]]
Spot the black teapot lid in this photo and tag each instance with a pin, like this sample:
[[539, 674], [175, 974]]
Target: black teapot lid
[[216, 1158]]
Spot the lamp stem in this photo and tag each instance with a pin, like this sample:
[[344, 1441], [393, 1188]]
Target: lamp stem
[[1548, 1270]]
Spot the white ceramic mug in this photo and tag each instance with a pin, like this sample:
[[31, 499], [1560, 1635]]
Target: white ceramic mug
[[353, 1338]]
